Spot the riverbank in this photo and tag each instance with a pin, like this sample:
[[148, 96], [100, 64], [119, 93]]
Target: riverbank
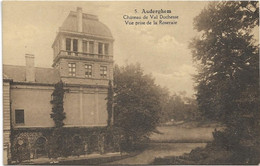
[[170, 141], [156, 150]]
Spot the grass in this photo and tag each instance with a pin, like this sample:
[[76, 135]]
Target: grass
[[176, 134]]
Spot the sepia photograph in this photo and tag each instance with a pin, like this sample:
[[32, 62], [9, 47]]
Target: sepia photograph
[[130, 83]]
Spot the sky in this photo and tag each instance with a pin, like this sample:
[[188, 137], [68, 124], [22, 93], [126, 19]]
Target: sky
[[162, 50]]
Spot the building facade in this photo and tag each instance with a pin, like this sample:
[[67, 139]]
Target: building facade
[[83, 61]]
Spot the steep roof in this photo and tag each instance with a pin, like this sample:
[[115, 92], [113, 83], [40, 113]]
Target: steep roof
[[42, 75], [90, 25]]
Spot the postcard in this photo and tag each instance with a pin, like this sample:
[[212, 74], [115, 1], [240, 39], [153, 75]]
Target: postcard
[[130, 82]]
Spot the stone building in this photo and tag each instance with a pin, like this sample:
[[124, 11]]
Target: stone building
[[83, 61]]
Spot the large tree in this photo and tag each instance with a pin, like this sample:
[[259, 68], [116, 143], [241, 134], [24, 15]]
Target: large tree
[[137, 101], [227, 84]]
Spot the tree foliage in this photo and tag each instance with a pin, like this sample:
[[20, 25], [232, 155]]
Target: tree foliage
[[137, 101], [58, 114], [177, 107], [228, 61], [110, 100]]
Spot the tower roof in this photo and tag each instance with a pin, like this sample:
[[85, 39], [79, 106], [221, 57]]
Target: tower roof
[[90, 25]]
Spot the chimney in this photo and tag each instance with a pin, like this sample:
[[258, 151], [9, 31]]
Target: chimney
[[79, 18], [29, 69]]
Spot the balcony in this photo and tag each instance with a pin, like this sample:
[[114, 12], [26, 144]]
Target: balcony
[[86, 55]]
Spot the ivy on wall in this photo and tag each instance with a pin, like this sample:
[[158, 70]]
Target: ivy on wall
[[58, 114], [109, 98]]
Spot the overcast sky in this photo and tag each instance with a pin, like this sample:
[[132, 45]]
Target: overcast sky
[[30, 27]]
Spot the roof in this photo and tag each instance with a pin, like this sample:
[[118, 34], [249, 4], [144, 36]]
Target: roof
[[5, 77], [91, 25], [42, 75]]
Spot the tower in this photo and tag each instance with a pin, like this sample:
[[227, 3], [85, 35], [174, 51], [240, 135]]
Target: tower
[[83, 50], [83, 56]]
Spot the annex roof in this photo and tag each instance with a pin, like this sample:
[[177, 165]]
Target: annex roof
[[42, 75]]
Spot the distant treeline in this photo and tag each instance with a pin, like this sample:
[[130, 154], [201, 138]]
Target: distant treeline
[[177, 108]]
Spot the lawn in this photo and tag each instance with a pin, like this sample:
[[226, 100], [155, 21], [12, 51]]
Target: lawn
[[181, 134]]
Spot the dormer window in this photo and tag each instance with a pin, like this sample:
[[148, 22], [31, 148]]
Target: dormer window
[[71, 45], [85, 46], [88, 46], [91, 47], [75, 45], [100, 48], [103, 48], [68, 45], [106, 49]]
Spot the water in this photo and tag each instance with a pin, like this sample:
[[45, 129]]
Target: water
[[163, 144]]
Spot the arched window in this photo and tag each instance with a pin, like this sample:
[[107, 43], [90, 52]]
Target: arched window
[[41, 141], [21, 149], [40, 147]]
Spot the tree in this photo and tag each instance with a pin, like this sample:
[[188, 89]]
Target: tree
[[110, 100], [227, 83], [55, 147], [58, 114], [164, 102], [178, 107], [137, 104]]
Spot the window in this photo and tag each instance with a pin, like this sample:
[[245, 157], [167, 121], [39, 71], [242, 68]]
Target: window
[[72, 69], [40, 145], [103, 71], [91, 47], [19, 116], [68, 45], [103, 48], [88, 71], [100, 48], [75, 45], [85, 46], [106, 49]]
